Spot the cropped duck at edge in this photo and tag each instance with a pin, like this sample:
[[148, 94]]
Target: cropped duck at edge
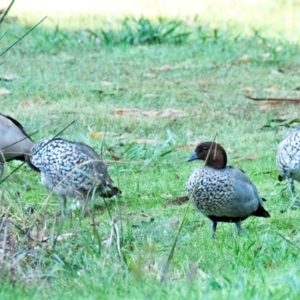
[[15, 144], [288, 159], [220, 192]]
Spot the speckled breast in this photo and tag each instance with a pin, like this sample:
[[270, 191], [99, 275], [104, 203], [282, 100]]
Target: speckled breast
[[213, 191], [288, 156]]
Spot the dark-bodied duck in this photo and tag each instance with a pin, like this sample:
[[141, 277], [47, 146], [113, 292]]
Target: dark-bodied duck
[[14, 142], [220, 192], [288, 159], [71, 169]]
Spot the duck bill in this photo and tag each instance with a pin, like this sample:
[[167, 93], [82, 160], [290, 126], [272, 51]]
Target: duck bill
[[193, 157]]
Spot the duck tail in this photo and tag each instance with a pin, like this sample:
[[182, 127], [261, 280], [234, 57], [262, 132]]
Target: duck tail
[[261, 212]]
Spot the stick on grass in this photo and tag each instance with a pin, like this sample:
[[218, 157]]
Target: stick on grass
[[171, 254]]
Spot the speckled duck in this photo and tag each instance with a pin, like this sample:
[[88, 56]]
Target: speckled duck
[[222, 193], [15, 144], [288, 158], [71, 169]]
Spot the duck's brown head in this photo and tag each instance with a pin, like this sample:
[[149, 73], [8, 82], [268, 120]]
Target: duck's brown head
[[215, 154]]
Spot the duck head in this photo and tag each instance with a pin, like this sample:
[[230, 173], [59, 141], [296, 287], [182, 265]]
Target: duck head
[[215, 154]]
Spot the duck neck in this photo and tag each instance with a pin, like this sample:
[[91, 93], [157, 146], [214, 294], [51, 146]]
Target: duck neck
[[217, 158]]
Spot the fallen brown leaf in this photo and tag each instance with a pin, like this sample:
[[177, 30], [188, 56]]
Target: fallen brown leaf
[[29, 103], [248, 157], [168, 112], [193, 271], [4, 91], [65, 236], [8, 77], [245, 58], [268, 105], [96, 135], [266, 55], [272, 99], [178, 201], [273, 102], [149, 75], [166, 196], [248, 89], [272, 89], [162, 68], [105, 83], [189, 145], [147, 142], [133, 112]]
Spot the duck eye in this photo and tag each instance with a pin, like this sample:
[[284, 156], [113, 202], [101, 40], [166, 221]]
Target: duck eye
[[205, 148]]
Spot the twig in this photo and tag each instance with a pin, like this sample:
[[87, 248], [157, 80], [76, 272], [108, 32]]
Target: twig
[[120, 253], [17, 41], [103, 140], [296, 100], [5, 237], [26, 137], [6, 11], [171, 254]]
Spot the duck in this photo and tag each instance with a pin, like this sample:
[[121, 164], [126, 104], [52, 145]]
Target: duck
[[15, 144], [222, 193], [71, 169], [288, 160]]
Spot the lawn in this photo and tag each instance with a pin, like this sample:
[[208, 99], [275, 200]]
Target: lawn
[[144, 100]]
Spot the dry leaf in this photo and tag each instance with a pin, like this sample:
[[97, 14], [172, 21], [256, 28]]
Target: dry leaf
[[120, 136], [147, 142], [106, 83], [133, 112], [245, 58], [29, 103], [178, 201], [268, 105], [275, 72], [248, 89], [149, 75], [96, 135], [4, 91], [173, 222], [168, 112], [189, 133], [273, 102], [266, 55], [193, 271], [65, 236], [8, 77], [162, 68], [65, 57], [189, 145], [248, 157], [272, 89]]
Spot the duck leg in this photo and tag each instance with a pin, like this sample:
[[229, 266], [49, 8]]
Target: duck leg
[[63, 202], [85, 200], [1, 169], [214, 228], [238, 226], [295, 201]]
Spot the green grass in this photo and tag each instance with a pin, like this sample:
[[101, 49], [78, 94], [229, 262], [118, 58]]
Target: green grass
[[63, 75]]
